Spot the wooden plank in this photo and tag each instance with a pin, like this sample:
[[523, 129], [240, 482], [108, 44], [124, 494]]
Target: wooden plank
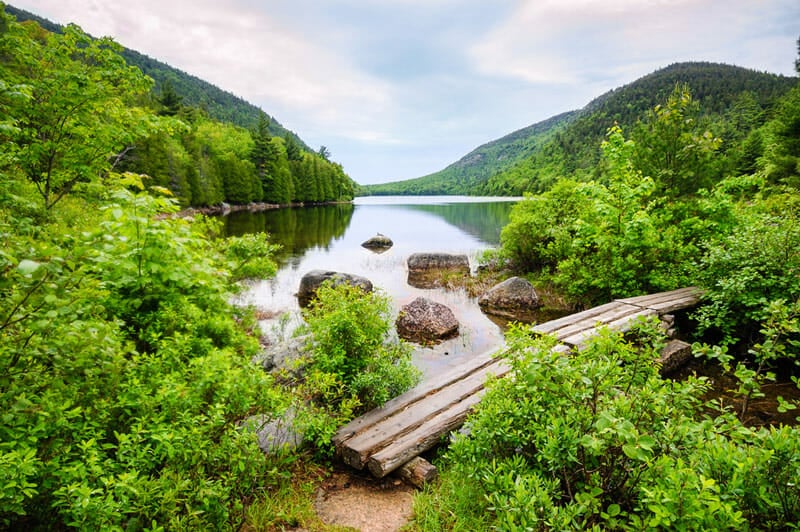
[[415, 394], [622, 324], [686, 295], [611, 315], [550, 326], [357, 450], [422, 438], [666, 307]]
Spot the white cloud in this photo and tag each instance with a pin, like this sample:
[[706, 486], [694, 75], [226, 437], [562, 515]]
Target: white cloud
[[243, 50], [401, 88], [574, 41]]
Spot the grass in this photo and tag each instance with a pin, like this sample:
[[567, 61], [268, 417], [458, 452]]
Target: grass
[[290, 505]]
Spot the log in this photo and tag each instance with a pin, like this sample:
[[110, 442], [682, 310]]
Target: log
[[410, 397], [358, 448], [418, 471], [422, 438]]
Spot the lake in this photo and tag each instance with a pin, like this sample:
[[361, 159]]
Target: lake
[[329, 238]]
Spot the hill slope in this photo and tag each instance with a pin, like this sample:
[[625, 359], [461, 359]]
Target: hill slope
[[219, 104], [532, 158]]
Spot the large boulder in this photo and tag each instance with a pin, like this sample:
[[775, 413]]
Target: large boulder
[[425, 321], [314, 279], [378, 243], [425, 269], [514, 298]]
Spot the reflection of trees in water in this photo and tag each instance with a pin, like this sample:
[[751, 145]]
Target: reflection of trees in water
[[295, 229], [482, 220]]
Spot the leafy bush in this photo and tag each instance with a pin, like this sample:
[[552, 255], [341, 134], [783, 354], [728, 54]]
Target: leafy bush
[[125, 372], [597, 440], [354, 365], [755, 264], [596, 241]]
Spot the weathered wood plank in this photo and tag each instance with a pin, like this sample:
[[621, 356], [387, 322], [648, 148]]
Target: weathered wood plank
[[415, 394], [550, 326], [422, 438], [589, 324], [372, 439], [684, 296], [622, 324]]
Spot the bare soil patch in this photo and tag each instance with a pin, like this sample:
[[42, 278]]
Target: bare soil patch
[[352, 499]]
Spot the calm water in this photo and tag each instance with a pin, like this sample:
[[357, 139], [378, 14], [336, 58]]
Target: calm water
[[330, 237]]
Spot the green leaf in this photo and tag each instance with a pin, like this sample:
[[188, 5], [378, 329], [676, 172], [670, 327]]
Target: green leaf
[[27, 267]]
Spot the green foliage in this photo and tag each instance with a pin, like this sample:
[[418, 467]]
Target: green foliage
[[671, 150], [596, 241], [125, 371], [781, 160], [596, 440], [77, 113], [757, 263], [353, 366]]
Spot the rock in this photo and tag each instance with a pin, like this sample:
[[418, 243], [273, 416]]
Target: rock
[[425, 269], [284, 357], [513, 298], [422, 262], [426, 321], [313, 279], [673, 356], [378, 243], [274, 434]]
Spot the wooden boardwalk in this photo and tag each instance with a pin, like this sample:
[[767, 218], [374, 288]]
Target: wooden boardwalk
[[388, 437]]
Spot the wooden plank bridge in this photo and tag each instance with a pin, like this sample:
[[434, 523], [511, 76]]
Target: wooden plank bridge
[[388, 437]]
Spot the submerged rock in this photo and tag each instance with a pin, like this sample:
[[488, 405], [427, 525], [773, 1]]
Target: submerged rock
[[425, 269], [426, 321], [513, 298], [313, 279], [378, 243]]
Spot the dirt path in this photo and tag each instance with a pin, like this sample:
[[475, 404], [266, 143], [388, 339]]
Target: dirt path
[[363, 503]]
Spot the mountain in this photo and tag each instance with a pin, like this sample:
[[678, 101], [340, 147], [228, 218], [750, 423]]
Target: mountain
[[530, 159], [219, 104], [468, 174]]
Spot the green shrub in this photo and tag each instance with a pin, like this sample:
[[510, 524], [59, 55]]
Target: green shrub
[[125, 372], [597, 440], [354, 364]]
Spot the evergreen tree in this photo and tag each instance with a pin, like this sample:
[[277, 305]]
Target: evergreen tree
[[171, 103]]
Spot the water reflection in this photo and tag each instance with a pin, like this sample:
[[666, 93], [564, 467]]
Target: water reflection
[[330, 238]]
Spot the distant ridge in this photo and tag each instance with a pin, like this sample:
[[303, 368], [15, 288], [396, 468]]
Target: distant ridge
[[531, 158], [219, 104]]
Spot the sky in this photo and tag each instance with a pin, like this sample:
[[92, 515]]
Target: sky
[[398, 89]]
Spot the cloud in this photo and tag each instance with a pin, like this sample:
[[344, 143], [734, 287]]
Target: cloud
[[243, 50], [576, 41], [401, 88]]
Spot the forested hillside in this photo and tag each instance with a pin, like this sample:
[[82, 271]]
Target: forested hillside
[[731, 102], [469, 174], [194, 92], [205, 145]]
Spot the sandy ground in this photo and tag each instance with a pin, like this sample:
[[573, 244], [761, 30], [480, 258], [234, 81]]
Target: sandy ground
[[364, 503]]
